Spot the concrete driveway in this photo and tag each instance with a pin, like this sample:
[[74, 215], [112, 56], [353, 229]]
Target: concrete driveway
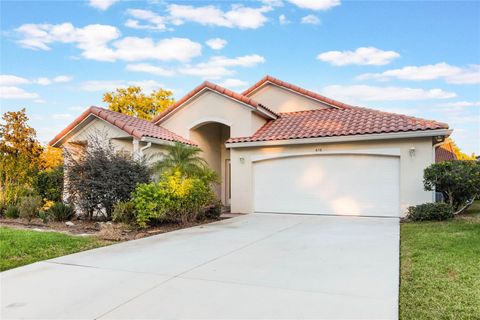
[[253, 266]]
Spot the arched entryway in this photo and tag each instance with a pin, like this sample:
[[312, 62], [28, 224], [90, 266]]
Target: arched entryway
[[210, 137]]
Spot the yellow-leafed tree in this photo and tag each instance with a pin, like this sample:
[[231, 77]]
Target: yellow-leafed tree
[[134, 102]]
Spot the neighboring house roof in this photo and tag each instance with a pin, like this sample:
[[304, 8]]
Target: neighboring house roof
[[135, 127], [337, 122], [261, 109], [445, 152], [297, 89]]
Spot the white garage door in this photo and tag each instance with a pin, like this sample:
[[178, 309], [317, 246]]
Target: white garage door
[[328, 184]]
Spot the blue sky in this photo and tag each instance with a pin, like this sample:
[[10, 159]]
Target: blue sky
[[416, 58]]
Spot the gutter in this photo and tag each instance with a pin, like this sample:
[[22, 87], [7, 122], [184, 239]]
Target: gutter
[[359, 137]]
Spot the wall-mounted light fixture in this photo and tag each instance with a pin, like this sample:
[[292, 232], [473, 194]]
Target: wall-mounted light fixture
[[412, 152], [242, 160]]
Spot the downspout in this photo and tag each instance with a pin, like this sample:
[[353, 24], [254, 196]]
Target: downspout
[[433, 161], [145, 148]]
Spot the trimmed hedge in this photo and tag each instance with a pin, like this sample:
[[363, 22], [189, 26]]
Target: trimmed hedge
[[430, 212]]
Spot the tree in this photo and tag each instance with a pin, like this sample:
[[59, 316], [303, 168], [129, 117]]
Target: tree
[[458, 180], [133, 102], [19, 154], [187, 160], [98, 177], [51, 158], [459, 153]]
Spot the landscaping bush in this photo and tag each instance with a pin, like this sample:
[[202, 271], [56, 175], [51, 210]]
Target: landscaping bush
[[60, 212], [214, 211], [12, 212], [124, 212], [174, 198], [49, 184], [459, 181], [29, 207], [99, 176], [430, 211]]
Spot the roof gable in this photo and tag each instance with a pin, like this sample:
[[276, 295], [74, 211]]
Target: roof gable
[[296, 89], [208, 86], [137, 128]]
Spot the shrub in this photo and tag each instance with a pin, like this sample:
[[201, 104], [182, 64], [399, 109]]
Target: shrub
[[430, 211], [214, 211], [44, 216], [29, 207], [174, 197], [12, 212], [61, 212], [459, 181], [99, 176], [124, 212], [49, 184]]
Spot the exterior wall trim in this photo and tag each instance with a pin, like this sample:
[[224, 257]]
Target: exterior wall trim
[[199, 122], [394, 152]]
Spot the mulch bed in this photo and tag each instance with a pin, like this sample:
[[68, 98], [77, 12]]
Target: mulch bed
[[103, 230]]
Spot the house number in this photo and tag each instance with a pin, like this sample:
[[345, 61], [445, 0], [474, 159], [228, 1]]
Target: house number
[[318, 150]]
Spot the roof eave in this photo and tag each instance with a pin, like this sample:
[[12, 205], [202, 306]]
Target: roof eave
[[359, 137]]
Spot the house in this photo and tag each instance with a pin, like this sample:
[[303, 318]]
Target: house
[[283, 149], [445, 152]]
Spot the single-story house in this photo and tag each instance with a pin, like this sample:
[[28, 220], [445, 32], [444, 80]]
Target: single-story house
[[280, 148]]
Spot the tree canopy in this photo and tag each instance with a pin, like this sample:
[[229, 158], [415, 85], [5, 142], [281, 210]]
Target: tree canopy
[[134, 102], [19, 154]]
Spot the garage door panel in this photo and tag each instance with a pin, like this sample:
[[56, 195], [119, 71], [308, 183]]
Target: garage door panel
[[328, 184]]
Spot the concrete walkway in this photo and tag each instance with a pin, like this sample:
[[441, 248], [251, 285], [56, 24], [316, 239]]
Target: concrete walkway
[[249, 267]]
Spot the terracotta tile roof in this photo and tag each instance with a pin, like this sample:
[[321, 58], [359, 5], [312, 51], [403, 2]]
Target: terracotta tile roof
[[445, 152], [219, 89], [337, 122], [295, 88], [136, 127]]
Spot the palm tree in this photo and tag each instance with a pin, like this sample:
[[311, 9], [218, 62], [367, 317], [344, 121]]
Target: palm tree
[[187, 160]]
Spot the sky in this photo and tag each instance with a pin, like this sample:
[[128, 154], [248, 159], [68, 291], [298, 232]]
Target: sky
[[416, 58]]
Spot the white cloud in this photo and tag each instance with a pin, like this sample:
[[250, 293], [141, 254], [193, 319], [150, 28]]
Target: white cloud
[[44, 81], [461, 104], [60, 79], [111, 85], [148, 68], [233, 83], [61, 116], [355, 93], [94, 41], [11, 80], [218, 66], [361, 56], [11, 92], [153, 20], [216, 43], [135, 49], [40, 101], [238, 17], [310, 19], [316, 4], [449, 73], [102, 4], [282, 19]]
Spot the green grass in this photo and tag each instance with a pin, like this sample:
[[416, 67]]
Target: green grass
[[21, 247], [440, 268]]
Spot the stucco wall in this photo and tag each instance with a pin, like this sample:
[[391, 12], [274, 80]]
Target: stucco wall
[[104, 129], [213, 107], [411, 168], [282, 100]]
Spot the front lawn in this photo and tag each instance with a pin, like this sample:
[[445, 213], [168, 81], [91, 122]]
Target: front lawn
[[440, 268], [21, 247]]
